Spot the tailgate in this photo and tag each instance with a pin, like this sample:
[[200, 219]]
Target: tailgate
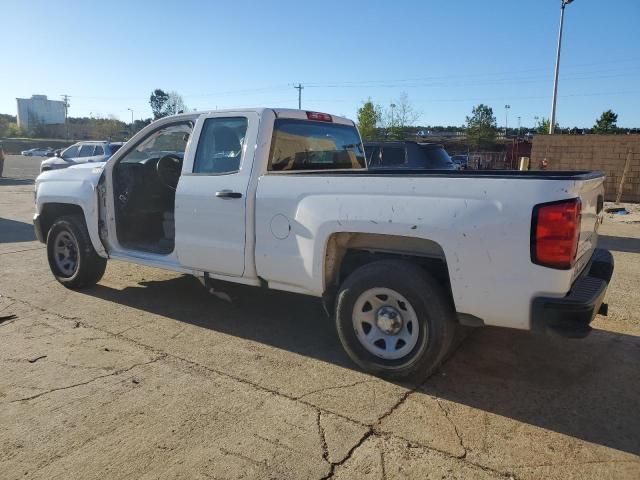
[[591, 194]]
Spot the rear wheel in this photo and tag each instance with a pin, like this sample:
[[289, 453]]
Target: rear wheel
[[394, 320], [72, 258]]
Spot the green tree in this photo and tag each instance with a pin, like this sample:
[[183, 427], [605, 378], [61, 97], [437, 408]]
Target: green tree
[[369, 115], [543, 126], [607, 123], [157, 101], [482, 128], [4, 127]]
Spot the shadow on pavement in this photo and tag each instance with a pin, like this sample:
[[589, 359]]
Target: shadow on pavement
[[284, 320], [619, 244], [588, 389], [4, 181], [13, 231]]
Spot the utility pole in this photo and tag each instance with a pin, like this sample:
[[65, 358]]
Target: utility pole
[[299, 87], [519, 127], [552, 120], [65, 99]]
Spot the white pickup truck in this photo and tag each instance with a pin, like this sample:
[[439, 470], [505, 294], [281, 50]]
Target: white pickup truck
[[282, 199]]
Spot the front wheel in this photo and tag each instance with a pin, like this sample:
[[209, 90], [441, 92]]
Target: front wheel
[[72, 258], [394, 320]]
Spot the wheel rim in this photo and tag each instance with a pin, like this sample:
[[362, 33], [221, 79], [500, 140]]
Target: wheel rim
[[65, 253], [385, 323]]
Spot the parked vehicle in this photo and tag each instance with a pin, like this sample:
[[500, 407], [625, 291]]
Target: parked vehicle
[[281, 199], [37, 152], [461, 161], [407, 155], [81, 152]]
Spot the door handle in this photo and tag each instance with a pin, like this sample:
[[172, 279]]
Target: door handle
[[228, 194]]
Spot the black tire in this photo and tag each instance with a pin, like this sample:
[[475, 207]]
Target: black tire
[[89, 266], [434, 311]]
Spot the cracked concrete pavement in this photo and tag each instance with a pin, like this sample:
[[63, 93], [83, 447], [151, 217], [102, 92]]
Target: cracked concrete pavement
[[148, 376]]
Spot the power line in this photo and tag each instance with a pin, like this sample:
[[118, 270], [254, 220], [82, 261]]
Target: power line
[[495, 81], [485, 99], [475, 75]]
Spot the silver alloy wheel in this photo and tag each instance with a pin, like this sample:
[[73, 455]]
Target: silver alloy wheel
[[65, 253], [385, 323]]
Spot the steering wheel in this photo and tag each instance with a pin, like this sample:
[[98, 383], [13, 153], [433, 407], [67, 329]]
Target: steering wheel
[[168, 169]]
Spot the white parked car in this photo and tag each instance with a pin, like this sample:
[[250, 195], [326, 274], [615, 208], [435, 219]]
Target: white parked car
[[282, 199], [81, 152], [37, 152]]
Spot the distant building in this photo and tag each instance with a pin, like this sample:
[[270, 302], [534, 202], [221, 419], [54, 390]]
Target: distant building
[[38, 110]]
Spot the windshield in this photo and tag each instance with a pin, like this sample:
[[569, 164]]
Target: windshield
[[306, 145], [171, 139]]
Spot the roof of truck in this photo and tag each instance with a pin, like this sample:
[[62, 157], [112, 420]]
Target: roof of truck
[[280, 113]]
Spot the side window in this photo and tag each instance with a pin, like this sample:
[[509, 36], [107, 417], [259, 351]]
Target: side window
[[86, 151], [171, 139], [220, 145], [373, 156], [392, 156], [71, 152], [99, 150]]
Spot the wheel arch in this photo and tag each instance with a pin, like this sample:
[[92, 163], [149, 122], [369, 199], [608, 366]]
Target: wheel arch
[[346, 251], [52, 211]]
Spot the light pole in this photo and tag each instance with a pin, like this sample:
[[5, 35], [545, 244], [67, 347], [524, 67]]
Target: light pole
[[131, 117], [506, 119], [552, 120], [519, 118]]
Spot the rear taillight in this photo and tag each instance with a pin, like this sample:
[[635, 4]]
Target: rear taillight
[[320, 117], [555, 231]]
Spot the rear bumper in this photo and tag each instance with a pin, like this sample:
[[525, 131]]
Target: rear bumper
[[570, 316]]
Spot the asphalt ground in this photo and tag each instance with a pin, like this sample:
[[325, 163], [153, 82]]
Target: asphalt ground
[[146, 375]]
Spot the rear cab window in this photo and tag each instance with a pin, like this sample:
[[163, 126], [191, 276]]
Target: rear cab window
[[309, 145]]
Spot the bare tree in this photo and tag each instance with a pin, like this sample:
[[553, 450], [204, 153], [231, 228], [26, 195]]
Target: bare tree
[[399, 116], [407, 115], [174, 104]]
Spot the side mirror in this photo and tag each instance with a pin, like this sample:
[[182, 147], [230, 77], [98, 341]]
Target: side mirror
[[57, 154]]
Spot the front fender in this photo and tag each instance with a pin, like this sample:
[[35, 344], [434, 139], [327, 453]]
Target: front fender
[[73, 186]]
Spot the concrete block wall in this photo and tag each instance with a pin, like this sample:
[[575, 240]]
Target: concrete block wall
[[593, 152]]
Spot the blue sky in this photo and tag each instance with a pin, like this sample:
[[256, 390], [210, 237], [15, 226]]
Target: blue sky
[[446, 55]]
